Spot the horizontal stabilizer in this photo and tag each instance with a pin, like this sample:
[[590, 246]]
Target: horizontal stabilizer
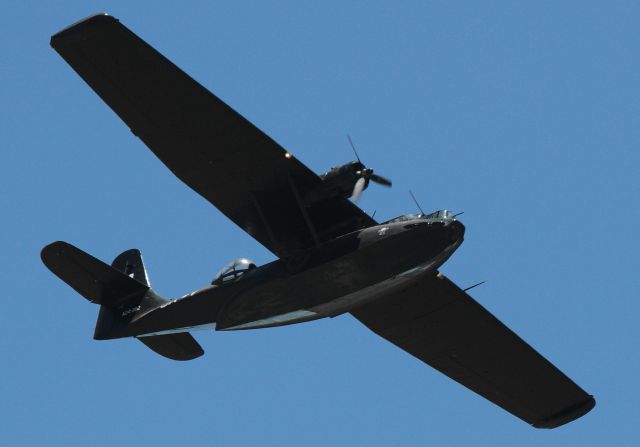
[[93, 279], [181, 346]]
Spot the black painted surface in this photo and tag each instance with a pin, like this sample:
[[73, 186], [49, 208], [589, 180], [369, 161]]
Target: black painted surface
[[441, 325], [327, 246], [204, 142]]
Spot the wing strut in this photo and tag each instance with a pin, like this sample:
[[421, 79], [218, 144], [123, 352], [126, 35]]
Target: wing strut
[[303, 210], [264, 220]]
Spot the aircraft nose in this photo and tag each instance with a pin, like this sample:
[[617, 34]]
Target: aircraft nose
[[457, 231]]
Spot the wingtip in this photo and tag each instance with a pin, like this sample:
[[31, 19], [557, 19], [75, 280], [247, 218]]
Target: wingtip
[[81, 26], [568, 414], [52, 249]]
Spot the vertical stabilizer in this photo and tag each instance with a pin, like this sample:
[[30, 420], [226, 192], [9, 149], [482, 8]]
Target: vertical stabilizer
[[130, 263]]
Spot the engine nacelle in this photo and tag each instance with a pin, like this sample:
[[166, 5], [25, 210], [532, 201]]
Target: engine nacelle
[[339, 181]]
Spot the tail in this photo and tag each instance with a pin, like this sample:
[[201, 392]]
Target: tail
[[123, 292]]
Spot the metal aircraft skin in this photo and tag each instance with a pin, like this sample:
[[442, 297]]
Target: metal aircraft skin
[[332, 257]]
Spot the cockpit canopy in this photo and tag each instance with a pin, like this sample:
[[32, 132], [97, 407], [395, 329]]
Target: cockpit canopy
[[439, 215], [233, 271]]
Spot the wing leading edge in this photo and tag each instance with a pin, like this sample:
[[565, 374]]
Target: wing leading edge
[[214, 150], [441, 325]]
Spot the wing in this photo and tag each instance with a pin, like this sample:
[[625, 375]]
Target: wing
[[444, 327], [205, 143]]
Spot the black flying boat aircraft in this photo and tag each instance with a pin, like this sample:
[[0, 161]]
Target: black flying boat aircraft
[[332, 257]]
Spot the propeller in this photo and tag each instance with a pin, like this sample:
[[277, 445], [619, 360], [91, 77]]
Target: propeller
[[358, 188], [364, 174]]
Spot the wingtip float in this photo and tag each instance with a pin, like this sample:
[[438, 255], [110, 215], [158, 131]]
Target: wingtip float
[[333, 258]]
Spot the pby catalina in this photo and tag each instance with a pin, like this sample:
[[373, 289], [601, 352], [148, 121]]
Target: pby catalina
[[332, 258]]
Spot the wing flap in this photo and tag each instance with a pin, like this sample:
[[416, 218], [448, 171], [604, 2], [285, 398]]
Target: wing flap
[[441, 325]]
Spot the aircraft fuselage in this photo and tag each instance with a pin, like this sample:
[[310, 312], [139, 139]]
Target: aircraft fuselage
[[325, 281]]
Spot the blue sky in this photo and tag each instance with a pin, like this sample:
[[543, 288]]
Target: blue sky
[[525, 115]]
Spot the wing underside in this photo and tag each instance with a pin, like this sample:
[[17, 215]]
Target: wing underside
[[441, 325], [204, 142]]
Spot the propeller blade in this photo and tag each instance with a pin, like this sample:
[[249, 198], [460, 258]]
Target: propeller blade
[[358, 188], [380, 180], [364, 175]]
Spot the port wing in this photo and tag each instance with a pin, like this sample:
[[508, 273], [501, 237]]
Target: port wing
[[440, 324]]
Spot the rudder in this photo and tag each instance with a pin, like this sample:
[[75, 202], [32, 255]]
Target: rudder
[[130, 263]]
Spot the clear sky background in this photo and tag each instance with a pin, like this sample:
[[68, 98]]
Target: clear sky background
[[525, 115]]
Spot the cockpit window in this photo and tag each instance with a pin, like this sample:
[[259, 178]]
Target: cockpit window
[[441, 214], [233, 271], [405, 217]]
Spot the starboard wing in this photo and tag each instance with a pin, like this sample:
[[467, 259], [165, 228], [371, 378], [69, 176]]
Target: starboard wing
[[441, 325], [214, 150]]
